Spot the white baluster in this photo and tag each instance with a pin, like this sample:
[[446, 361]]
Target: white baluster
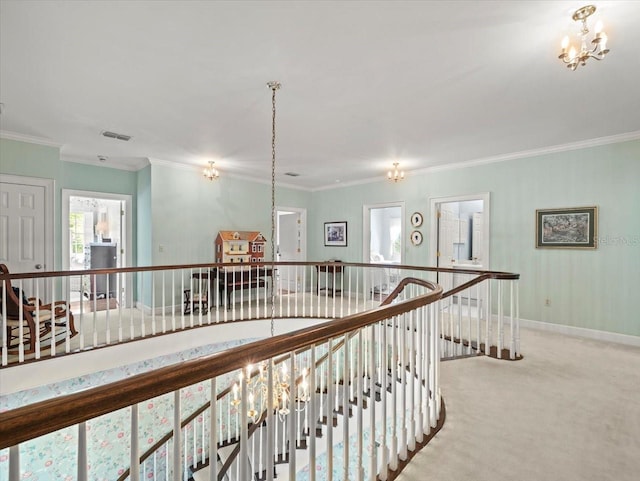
[[393, 462], [384, 381], [500, 320], [164, 303], [373, 459], [312, 407], [329, 411], [292, 420], [360, 405], [411, 440], [517, 335], [213, 432], [421, 319], [244, 433], [271, 420], [347, 381], [153, 303]]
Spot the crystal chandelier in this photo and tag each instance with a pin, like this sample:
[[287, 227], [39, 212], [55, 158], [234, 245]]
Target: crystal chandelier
[[574, 58], [258, 391], [395, 174], [211, 172]]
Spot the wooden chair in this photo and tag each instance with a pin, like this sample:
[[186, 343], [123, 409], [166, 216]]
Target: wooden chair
[[36, 318]]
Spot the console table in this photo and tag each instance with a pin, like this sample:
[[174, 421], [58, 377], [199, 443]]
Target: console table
[[331, 272], [240, 279]]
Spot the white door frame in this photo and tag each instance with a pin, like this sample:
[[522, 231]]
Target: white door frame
[[128, 228], [303, 227], [49, 212], [485, 197], [126, 198], [366, 231]]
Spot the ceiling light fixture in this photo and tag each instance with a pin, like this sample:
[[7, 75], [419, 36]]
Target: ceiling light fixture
[[570, 56], [395, 174], [211, 172]]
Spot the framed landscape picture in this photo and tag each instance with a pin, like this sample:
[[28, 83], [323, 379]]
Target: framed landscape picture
[[335, 234], [569, 228]]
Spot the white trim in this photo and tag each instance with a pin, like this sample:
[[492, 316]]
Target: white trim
[[366, 228], [582, 144], [128, 228], [49, 212], [485, 197], [5, 134], [131, 164], [583, 332]]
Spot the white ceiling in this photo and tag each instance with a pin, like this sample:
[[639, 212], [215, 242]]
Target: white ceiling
[[364, 83]]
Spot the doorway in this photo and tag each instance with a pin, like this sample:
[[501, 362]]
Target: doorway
[[96, 234], [291, 245], [383, 243], [459, 229], [383, 229]]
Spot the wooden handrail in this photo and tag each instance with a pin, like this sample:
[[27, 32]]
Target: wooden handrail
[[27, 422], [262, 265]]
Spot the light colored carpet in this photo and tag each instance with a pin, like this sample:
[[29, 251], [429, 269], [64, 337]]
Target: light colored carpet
[[569, 411]]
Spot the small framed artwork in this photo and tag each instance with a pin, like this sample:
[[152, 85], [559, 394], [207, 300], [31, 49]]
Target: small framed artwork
[[416, 237], [335, 234], [570, 228], [416, 219]]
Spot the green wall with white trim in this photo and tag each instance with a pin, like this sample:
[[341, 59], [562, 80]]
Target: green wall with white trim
[[33, 160], [179, 214], [593, 289]]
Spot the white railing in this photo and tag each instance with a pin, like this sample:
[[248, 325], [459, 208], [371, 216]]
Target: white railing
[[162, 300], [380, 367], [346, 364]]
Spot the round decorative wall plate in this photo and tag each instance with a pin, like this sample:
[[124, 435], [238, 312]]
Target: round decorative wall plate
[[416, 219], [416, 238]]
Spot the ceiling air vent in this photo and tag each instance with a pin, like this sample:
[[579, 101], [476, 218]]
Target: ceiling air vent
[[113, 135], [292, 174]]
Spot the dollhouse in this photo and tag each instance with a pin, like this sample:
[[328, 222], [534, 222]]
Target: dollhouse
[[242, 247]]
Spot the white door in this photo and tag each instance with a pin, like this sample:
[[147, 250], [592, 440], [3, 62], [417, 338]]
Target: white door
[[291, 246], [22, 227], [448, 236]]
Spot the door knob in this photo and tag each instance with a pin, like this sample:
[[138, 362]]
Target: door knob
[[38, 266]]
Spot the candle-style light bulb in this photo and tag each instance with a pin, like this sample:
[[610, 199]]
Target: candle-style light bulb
[[565, 42], [572, 53], [598, 28], [603, 41]]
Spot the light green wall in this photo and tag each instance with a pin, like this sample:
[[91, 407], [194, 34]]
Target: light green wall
[[588, 288], [32, 160], [188, 211], [144, 226], [178, 209]]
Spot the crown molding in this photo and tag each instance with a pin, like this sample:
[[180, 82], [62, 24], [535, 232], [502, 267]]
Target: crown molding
[[553, 149], [5, 134], [131, 164], [223, 173], [583, 144]]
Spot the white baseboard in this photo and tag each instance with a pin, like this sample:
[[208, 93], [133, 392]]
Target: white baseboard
[[582, 332]]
